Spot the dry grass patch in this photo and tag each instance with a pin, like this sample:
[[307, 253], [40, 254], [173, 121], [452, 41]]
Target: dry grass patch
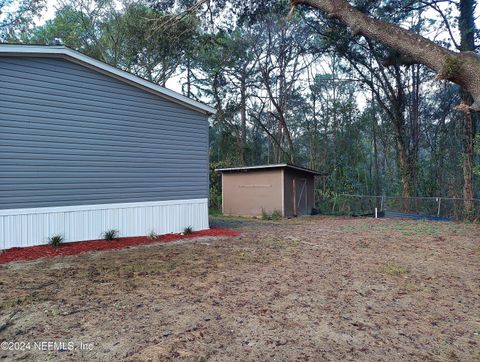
[[316, 288]]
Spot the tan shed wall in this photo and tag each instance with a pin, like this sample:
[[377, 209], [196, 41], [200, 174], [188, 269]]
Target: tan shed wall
[[246, 193], [288, 187]]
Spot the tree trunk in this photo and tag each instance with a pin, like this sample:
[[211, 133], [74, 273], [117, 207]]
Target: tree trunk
[[378, 190], [291, 148], [462, 68], [468, 160], [243, 119], [466, 25], [414, 125], [277, 149], [403, 163], [405, 159], [189, 78]]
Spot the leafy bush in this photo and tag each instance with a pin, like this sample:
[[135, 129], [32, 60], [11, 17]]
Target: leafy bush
[[110, 234], [55, 240], [188, 230]]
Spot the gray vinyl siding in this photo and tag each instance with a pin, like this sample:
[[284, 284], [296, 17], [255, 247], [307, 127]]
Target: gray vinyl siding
[[72, 136]]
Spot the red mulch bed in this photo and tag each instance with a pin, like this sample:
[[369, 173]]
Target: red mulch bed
[[42, 251]]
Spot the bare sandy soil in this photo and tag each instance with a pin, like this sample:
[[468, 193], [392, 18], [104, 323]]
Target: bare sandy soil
[[314, 288]]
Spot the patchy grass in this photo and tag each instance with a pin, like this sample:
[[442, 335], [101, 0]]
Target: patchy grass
[[363, 244], [318, 288], [393, 269], [407, 228]]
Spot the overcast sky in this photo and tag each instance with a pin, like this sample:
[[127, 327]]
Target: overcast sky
[[50, 11]]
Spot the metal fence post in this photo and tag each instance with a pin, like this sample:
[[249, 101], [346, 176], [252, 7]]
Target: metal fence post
[[439, 200]]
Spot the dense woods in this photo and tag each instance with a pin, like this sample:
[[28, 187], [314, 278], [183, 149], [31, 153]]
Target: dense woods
[[331, 85]]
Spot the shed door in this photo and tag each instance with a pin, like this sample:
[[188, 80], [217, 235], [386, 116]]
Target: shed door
[[300, 198]]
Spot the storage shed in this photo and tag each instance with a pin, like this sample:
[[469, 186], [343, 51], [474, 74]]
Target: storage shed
[[86, 147], [284, 188]]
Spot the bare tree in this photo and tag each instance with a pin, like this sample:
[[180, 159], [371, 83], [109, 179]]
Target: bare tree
[[281, 60]]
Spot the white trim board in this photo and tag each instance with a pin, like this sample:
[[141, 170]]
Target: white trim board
[[77, 57], [27, 227], [53, 209]]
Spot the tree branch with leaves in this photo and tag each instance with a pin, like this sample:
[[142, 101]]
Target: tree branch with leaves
[[462, 68]]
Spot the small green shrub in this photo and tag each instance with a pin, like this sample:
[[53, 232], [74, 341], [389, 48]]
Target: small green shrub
[[265, 215], [153, 235], [275, 215], [215, 212], [188, 230], [55, 240], [110, 234]]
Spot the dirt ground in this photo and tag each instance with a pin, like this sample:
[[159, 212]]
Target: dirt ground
[[314, 288]]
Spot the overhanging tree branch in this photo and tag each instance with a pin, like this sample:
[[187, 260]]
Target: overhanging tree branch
[[462, 68]]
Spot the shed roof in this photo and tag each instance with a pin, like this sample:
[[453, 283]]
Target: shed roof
[[77, 57], [263, 167]]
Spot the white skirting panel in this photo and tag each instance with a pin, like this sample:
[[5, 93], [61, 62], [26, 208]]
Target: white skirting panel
[[27, 227]]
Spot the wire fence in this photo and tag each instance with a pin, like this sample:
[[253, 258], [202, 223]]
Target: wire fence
[[447, 208]]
